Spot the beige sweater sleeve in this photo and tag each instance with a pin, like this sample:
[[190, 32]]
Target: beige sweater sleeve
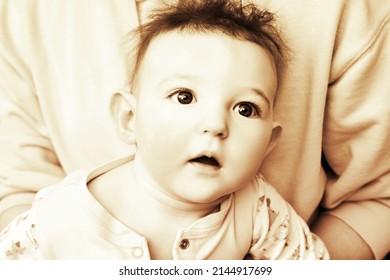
[[357, 129], [27, 158]]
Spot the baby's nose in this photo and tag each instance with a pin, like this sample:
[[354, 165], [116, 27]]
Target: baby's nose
[[215, 124]]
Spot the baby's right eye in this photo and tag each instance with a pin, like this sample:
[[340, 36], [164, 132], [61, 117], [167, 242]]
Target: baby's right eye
[[183, 96]]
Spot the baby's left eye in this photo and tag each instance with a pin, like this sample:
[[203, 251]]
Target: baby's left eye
[[183, 96], [247, 109]]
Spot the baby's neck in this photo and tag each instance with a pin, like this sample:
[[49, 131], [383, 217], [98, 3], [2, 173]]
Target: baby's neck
[[157, 197]]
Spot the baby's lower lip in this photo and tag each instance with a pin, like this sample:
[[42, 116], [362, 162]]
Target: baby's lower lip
[[205, 169]]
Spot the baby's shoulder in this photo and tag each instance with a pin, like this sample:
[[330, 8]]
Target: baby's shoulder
[[61, 201]]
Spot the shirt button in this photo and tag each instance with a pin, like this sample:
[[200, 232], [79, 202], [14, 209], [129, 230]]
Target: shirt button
[[137, 252], [184, 244]]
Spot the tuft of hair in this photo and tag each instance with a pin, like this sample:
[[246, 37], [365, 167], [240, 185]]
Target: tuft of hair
[[233, 18]]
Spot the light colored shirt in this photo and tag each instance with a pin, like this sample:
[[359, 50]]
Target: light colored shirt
[[67, 222]]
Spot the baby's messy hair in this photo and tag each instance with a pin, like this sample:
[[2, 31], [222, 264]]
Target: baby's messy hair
[[233, 18]]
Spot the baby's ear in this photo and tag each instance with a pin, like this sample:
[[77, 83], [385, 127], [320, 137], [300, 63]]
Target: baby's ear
[[122, 108], [276, 132]]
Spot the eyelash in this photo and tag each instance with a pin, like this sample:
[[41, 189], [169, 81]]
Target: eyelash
[[176, 92], [256, 107]]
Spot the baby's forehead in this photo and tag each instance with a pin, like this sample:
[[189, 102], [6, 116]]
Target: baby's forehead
[[174, 38], [182, 44], [206, 59]]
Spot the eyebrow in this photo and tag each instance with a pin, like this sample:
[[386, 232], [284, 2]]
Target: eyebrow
[[178, 76], [262, 95]]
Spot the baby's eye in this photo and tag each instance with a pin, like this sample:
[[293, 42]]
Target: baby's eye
[[247, 109], [183, 96]]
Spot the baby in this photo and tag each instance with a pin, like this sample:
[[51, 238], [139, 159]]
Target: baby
[[200, 115]]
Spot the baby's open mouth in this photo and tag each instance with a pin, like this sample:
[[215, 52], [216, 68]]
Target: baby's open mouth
[[207, 160]]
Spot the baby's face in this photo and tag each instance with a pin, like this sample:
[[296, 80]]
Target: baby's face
[[204, 115]]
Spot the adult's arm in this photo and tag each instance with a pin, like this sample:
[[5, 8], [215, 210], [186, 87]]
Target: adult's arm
[[27, 157], [356, 141]]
